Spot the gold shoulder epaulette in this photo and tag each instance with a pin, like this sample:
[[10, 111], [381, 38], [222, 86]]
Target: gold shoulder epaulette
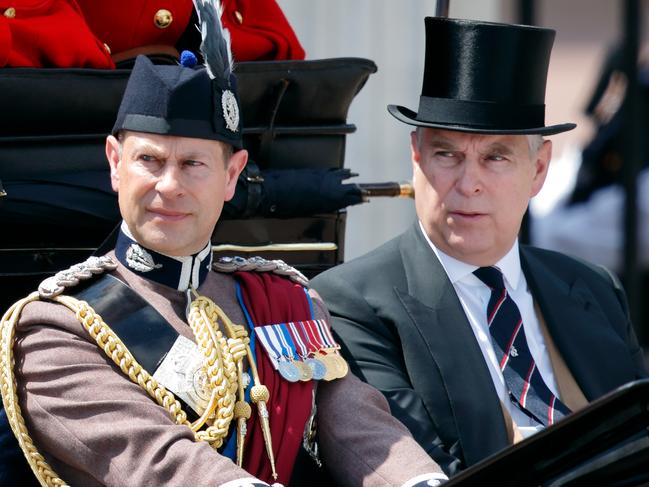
[[259, 264]]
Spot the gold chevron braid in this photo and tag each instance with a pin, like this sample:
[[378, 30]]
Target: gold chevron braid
[[45, 475]]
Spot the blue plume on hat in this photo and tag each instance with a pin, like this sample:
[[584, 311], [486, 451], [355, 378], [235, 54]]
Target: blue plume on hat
[[215, 44]]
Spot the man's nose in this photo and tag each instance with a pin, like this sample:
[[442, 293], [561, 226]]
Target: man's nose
[[469, 181], [170, 180]]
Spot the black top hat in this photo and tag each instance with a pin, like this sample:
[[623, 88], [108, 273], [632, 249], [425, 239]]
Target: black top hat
[[483, 77], [180, 100]]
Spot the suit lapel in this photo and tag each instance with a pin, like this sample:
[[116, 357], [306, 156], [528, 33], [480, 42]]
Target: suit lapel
[[440, 331], [578, 327]]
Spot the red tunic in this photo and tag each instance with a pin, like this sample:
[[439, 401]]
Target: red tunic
[[48, 33]]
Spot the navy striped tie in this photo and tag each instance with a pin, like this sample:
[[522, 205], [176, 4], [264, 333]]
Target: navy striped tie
[[526, 386]]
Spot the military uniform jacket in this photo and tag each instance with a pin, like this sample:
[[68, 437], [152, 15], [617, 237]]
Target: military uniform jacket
[[403, 329], [97, 428]]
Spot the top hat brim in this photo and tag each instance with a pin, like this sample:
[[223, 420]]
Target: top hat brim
[[408, 116]]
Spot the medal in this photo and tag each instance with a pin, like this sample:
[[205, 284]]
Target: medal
[[326, 349], [318, 369], [288, 370], [344, 366], [313, 369], [333, 371], [341, 364], [289, 348], [281, 349], [335, 362], [306, 374]]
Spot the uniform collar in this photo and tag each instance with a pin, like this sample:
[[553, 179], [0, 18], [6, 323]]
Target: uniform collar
[[175, 272], [509, 265]]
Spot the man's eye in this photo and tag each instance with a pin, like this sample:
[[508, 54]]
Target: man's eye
[[146, 158], [193, 163], [496, 157], [445, 154]]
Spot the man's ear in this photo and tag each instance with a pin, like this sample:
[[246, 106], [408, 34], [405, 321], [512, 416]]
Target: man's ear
[[541, 166], [113, 155], [237, 162], [415, 155]]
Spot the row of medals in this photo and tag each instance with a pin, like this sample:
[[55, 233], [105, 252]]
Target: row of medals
[[324, 365]]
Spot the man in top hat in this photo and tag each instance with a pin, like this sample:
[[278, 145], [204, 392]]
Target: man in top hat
[[141, 367], [475, 340]]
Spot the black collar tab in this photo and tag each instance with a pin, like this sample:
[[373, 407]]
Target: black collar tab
[[175, 272]]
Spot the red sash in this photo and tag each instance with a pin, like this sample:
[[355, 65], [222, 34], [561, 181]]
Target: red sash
[[272, 299]]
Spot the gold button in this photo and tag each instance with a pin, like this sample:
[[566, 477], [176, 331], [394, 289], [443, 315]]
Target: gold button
[[10, 13], [239, 17], [107, 48], [163, 18]]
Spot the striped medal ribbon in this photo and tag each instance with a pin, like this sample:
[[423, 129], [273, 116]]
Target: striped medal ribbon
[[269, 337], [333, 347], [318, 369], [304, 370], [326, 350]]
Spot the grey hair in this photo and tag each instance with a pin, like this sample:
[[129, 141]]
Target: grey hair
[[120, 143], [534, 141]]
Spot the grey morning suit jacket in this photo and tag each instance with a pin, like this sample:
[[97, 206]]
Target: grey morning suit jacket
[[405, 332]]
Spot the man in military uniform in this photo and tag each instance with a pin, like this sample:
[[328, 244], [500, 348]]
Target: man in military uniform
[[141, 367]]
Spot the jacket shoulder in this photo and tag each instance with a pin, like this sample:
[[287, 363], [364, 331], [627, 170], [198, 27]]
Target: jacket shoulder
[[230, 265], [565, 264]]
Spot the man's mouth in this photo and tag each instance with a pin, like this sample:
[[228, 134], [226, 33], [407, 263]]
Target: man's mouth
[[466, 215], [167, 214]]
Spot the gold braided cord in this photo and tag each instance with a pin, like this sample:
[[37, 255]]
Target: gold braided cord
[[223, 365], [45, 475], [259, 393], [221, 360], [114, 348], [204, 313]]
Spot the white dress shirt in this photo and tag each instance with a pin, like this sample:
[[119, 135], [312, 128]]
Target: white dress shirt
[[474, 296]]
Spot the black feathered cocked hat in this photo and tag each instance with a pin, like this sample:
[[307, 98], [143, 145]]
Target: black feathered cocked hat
[[483, 77], [186, 100]]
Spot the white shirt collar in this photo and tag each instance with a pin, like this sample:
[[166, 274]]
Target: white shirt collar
[[509, 265]]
